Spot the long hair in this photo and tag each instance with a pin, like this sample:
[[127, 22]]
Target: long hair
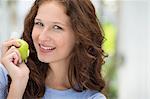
[[87, 55]]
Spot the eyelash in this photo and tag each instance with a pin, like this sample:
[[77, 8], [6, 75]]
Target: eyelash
[[57, 27], [39, 24]]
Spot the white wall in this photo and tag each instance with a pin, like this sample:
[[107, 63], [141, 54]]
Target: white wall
[[12, 26], [148, 65], [133, 41], [4, 14]]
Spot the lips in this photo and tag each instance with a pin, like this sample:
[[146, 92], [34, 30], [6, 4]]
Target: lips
[[46, 49]]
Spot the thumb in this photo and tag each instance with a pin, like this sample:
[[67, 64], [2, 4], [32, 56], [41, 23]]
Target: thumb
[[24, 67]]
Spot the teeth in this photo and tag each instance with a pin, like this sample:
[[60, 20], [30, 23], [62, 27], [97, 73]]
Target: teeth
[[47, 48]]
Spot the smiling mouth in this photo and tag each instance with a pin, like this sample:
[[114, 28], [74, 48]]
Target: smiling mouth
[[46, 49]]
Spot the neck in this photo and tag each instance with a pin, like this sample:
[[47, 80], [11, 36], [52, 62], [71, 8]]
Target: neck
[[57, 77]]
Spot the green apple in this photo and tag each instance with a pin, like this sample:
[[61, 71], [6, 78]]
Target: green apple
[[23, 49]]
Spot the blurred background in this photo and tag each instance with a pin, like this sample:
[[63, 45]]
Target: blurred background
[[127, 42]]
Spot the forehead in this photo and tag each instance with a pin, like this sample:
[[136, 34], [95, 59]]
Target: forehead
[[50, 6], [52, 10]]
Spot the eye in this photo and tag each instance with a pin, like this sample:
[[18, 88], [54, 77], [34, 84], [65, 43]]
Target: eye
[[39, 24], [56, 27]]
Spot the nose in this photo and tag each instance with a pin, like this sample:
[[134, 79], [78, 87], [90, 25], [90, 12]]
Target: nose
[[44, 35]]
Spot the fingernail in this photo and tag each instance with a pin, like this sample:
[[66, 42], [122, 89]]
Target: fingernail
[[20, 61]]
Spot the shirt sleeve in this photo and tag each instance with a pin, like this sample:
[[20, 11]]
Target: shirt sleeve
[[97, 96], [3, 82]]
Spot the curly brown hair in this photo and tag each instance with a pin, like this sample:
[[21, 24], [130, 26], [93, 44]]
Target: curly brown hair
[[87, 56]]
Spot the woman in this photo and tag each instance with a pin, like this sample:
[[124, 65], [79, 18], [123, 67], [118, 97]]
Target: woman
[[66, 54]]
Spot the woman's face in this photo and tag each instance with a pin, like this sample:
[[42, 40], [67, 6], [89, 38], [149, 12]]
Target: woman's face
[[52, 33]]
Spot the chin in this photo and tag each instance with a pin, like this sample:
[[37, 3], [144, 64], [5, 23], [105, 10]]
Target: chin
[[43, 60]]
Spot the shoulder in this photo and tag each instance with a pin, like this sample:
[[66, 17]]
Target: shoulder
[[95, 94], [3, 75], [3, 82]]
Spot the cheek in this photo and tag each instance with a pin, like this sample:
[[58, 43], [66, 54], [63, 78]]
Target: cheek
[[66, 43], [34, 34], [35, 37]]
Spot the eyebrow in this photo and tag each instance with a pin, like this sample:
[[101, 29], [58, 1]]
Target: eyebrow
[[37, 19]]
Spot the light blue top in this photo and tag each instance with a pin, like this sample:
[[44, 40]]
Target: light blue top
[[51, 93]]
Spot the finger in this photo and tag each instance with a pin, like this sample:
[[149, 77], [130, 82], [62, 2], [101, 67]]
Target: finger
[[7, 44], [12, 42], [13, 57], [16, 59], [8, 61]]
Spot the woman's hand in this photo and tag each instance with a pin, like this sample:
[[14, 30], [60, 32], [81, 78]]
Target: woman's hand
[[17, 70]]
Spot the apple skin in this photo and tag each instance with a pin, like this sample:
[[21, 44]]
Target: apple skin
[[23, 49]]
